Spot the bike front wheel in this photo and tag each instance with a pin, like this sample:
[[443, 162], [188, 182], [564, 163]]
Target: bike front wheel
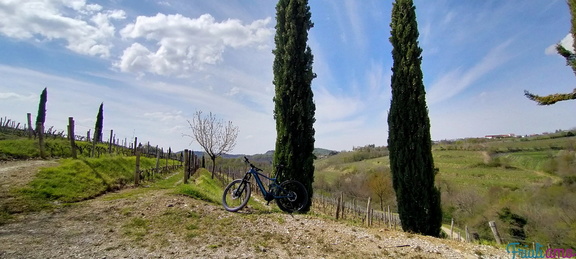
[[294, 196], [236, 195]]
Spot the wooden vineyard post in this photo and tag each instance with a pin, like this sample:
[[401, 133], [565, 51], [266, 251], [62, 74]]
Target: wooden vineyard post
[[110, 142], [157, 162], [191, 165], [368, 209], [137, 171], [30, 130], [452, 229], [40, 129], [467, 234], [338, 208], [72, 137], [492, 225], [389, 217], [135, 144], [186, 165], [166, 156], [342, 206]]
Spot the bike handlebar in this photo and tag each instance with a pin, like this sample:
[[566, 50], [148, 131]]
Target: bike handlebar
[[251, 165]]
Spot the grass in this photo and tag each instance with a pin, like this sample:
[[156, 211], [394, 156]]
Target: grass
[[19, 149], [203, 187], [137, 228], [76, 180], [478, 178], [72, 181], [24, 148], [461, 168]]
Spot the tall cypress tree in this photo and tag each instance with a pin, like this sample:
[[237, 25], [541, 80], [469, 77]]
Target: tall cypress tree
[[409, 140], [41, 116], [99, 124], [40, 120], [294, 105]]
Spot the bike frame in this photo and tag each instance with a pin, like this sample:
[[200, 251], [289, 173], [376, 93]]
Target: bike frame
[[256, 174]]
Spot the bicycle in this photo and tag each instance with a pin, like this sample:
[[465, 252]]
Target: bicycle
[[290, 195]]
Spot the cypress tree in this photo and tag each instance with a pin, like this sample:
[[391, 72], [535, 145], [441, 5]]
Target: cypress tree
[[41, 116], [99, 124], [409, 140], [40, 119], [294, 105]]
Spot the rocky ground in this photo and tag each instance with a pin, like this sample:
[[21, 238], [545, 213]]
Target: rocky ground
[[156, 223]]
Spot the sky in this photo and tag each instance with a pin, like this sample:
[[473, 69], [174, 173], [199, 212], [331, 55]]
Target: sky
[[155, 63]]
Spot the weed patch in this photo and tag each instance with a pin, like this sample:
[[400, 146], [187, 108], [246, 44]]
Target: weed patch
[[136, 228]]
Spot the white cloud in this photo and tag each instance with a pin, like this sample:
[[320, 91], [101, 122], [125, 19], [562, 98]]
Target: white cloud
[[330, 107], [458, 80], [175, 116], [355, 21], [12, 96], [233, 91], [85, 27], [567, 42], [184, 44], [164, 3], [378, 82]]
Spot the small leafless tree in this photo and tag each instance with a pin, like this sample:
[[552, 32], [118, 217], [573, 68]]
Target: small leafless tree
[[214, 135]]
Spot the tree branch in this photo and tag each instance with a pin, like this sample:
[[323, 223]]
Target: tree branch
[[550, 99]]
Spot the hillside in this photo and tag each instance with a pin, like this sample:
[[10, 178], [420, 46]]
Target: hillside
[[158, 221], [526, 185]]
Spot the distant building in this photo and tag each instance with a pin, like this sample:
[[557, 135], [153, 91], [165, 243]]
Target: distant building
[[500, 136]]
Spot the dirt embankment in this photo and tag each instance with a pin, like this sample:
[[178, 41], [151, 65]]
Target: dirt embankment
[[155, 223]]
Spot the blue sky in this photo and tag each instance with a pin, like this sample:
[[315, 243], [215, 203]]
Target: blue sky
[[154, 63]]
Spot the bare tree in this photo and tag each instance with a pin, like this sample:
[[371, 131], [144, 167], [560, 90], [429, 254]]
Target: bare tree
[[215, 136]]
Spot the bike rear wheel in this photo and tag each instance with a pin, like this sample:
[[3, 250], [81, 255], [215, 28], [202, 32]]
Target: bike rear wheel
[[236, 195], [296, 196]]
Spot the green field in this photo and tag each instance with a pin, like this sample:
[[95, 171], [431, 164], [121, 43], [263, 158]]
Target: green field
[[534, 178]]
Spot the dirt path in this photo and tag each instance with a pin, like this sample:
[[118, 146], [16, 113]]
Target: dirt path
[[155, 223]]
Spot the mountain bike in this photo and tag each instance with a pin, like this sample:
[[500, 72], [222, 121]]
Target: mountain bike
[[291, 195]]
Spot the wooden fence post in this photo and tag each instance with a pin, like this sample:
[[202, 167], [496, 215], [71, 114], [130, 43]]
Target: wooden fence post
[[30, 130], [186, 165], [467, 234], [492, 225], [389, 217], [191, 168], [338, 208], [167, 156], [368, 208], [40, 129], [72, 137], [110, 142], [137, 171], [135, 144], [342, 203], [452, 229], [157, 162]]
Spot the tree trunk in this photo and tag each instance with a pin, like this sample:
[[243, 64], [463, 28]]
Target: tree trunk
[[213, 165]]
